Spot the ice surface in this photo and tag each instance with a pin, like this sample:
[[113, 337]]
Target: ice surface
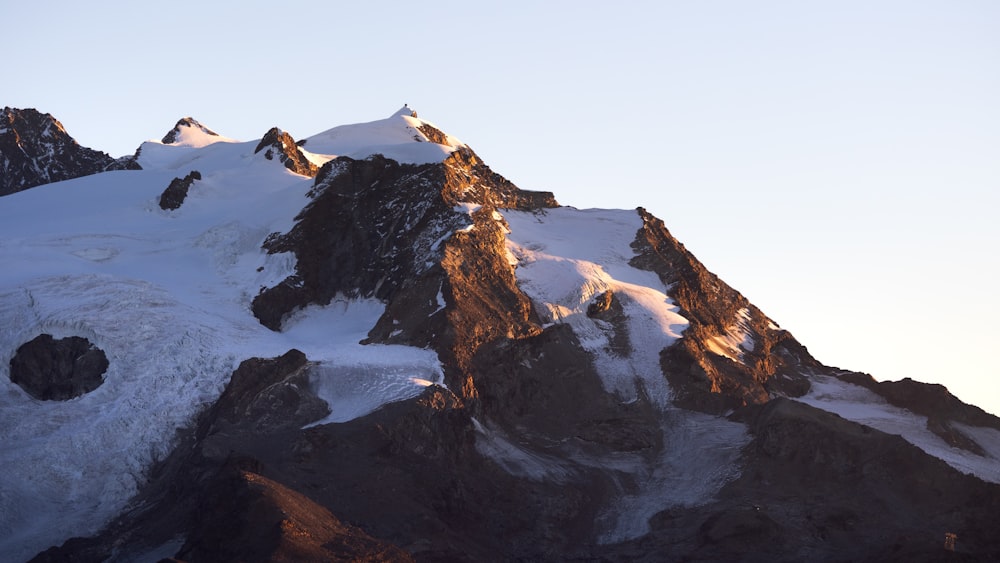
[[861, 405], [166, 295]]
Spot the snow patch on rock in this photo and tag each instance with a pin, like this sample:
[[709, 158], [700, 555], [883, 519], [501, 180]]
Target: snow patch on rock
[[566, 257]]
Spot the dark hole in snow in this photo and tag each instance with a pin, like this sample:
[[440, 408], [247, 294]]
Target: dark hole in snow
[[58, 370]]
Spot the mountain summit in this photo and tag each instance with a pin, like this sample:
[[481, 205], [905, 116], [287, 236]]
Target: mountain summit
[[367, 344]]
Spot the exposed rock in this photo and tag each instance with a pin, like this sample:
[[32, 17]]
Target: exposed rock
[[702, 372], [174, 134], [128, 162], [375, 226], [177, 191], [433, 134], [247, 517], [35, 149], [608, 308], [269, 394], [277, 143], [52, 369]]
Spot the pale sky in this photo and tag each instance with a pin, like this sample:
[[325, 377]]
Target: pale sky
[[835, 162]]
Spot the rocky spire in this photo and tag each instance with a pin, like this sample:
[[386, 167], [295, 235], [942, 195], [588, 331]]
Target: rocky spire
[[279, 144]]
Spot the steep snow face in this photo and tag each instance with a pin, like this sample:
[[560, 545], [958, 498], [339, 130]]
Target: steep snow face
[[861, 405], [166, 294], [402, 137], [565, 257]]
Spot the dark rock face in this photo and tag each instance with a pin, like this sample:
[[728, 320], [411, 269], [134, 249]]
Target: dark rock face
[[58, 370], [703, 378], [278, 144], [174, 134], [35, 149], [434, 134], [247, 517], [374, 223], [177, 191]]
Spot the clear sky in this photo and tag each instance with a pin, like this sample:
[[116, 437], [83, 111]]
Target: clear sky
[[836, 162]]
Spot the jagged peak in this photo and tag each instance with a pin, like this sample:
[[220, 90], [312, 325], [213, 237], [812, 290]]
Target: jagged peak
[[189, 132], [36, 149], [276, 141], [34, 119]]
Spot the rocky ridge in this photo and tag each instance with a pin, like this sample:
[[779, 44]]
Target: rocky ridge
[[35, 149]]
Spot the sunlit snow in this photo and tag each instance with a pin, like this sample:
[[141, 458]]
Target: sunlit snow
[[397, 137]]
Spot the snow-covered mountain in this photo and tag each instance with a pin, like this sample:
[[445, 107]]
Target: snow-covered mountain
[[366, 343]]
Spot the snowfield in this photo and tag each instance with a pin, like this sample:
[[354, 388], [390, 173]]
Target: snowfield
[[166, 295]]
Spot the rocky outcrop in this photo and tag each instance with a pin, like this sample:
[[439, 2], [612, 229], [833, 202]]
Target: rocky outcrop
[[51, 369], [175, 194], [35, 149], [278, 144], [248, 517], [704, 369]]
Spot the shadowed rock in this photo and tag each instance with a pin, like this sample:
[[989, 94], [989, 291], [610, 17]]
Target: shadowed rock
[[177, 191], [58, 370]]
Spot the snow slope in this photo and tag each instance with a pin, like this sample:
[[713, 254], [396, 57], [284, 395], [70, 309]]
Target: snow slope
[[167, 295], [861, 405], [397, 137]]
